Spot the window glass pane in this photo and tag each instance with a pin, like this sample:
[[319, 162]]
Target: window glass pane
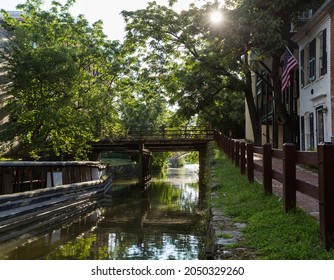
[[312, 62]]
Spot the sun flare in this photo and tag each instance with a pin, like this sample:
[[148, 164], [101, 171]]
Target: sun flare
[[216, 17]]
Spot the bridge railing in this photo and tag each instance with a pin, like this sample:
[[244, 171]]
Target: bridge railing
[[172, 133]]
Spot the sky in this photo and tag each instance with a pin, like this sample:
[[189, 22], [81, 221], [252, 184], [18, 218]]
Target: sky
[[106, 10]]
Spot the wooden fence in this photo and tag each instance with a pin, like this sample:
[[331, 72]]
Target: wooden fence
[[242, 155]]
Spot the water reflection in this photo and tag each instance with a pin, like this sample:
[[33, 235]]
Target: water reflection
[[163, 222]]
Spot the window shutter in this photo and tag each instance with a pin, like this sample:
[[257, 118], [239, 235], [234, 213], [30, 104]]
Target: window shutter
[[302, 72], [324, 53]]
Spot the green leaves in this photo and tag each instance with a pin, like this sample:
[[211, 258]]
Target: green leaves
[[183, 49], [63, 74]]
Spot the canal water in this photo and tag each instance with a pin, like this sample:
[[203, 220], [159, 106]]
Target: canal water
[[164, 222]]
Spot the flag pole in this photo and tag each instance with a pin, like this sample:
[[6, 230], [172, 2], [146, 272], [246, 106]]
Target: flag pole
[[301, 68], [291, 53]]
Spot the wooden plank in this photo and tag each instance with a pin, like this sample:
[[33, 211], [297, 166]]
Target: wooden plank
[[307, 188], [258, 150], [40, 219], [31, 194], [243, 158], [237, 153], [258, 167], [326, 193], [308, 158], [277, 153], [278, 176], [250, 162], [267, 169], [75, 192], [289, 177]]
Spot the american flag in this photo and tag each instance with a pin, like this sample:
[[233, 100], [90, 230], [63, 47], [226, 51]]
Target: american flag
[[289, 63]]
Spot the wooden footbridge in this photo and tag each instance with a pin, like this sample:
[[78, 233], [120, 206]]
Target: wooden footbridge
[[165, 139], [188, 139]]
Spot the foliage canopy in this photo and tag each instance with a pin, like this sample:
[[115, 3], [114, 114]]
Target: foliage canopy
[[64, 73]]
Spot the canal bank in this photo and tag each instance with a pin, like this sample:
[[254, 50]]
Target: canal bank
[[224, 233], [170, 218], [269, 232]]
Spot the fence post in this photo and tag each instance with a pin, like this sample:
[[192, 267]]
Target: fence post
[[326, 193], [237, 153], [250, 162], [242, 158], [228, 147], [267, 169], [289, 174], [220, 140], [223, 141], [232, 150]]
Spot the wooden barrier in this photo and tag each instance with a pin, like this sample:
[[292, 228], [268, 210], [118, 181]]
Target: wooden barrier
[[290, 157], [33, 210], [289, 178], [250, 162], [267, 169], [326, 193], [21, 176]]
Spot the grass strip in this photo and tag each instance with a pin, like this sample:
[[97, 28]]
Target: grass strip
[[270, 233]]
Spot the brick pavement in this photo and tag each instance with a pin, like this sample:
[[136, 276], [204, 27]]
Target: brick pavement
[[307, 203]]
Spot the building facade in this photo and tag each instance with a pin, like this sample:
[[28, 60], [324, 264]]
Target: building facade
[[316, 65], [271, 131]]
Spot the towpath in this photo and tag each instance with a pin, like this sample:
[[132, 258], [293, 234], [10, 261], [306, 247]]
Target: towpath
[[307, 203]]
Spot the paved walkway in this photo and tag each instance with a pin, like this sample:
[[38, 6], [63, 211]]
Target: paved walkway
[[305, 202]]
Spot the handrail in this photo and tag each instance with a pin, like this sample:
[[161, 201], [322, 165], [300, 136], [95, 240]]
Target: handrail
[[168, 133]]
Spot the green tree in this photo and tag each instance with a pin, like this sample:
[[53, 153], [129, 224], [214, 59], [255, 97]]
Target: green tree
[[64, 75], [194, 71], [263, 28], [203, 61], [144, 106]]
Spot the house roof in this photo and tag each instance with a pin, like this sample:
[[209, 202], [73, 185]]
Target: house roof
[[318, 16]]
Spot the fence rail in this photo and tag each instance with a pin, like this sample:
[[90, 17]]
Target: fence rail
[[244, 155]]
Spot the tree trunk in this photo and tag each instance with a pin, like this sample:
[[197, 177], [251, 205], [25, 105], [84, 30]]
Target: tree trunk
[[252, 109]]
